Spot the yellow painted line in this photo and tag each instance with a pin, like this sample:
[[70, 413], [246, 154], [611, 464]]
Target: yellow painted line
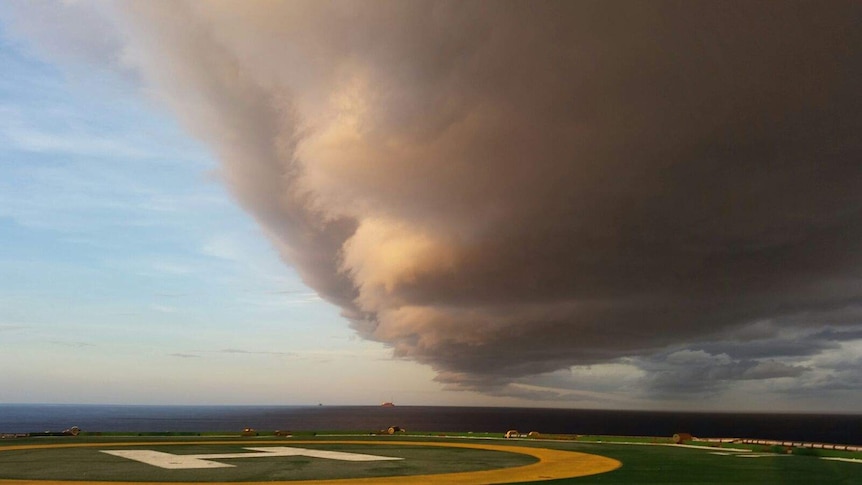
[[552, 464]]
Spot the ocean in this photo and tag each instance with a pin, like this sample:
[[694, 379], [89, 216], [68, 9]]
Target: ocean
[[824, 428]]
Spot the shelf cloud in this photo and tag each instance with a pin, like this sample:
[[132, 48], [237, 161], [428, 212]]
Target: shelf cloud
[[503, 190]]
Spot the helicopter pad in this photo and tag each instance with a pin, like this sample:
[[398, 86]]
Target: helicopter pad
[[287, 461]]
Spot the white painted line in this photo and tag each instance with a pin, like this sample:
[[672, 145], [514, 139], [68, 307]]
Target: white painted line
[[330, 455], [835, 458], [181, 462], [167, 460]]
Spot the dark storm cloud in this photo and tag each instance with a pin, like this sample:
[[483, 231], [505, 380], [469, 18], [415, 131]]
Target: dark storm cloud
[[840, 377], [793, 344], [507, 189], [699, 372]]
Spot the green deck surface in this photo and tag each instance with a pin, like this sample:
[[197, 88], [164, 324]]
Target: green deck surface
[[642, 463], [89, 463], [648, 464]]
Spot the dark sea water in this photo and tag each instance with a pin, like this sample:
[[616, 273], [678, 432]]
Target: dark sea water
[[29, 418]]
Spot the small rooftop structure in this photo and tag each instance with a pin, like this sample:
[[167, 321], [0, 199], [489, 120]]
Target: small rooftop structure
[[682, 437]]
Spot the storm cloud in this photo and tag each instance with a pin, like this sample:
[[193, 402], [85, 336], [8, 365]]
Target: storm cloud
[[506, 189]]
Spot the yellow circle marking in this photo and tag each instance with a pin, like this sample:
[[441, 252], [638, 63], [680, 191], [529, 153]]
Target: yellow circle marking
[[552, 464]]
